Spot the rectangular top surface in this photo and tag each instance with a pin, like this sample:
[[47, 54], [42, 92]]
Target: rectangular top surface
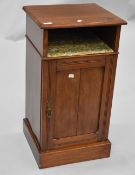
[[72, 15]]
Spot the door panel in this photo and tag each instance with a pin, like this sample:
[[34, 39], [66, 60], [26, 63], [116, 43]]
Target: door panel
[[66, 103], [91, 83], [75, 97]]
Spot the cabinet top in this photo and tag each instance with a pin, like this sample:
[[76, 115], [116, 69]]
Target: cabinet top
[[72, 15]]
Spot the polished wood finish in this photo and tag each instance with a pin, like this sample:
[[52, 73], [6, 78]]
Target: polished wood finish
[[58, 16], [69, 99], [90, 100]]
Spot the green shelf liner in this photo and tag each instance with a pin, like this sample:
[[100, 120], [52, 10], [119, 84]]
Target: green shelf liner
[[75, 45]]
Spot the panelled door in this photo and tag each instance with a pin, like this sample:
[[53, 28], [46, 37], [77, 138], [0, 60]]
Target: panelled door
[[76, 100]]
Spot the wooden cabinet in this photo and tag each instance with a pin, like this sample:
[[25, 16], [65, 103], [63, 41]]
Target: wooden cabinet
[[70, 71]]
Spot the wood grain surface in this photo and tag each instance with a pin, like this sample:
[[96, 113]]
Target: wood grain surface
[[81, 15]]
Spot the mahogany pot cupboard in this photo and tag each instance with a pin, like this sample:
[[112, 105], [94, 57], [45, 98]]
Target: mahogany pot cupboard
[[71, 58]]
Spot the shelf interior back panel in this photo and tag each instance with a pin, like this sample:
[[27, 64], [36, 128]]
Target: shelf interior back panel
[[75, 43]]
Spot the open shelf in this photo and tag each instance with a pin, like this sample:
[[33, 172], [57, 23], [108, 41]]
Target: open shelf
[[75, 42]]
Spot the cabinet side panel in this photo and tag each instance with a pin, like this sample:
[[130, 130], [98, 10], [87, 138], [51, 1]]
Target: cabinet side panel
[[35, 34], [90, 98], [109, 35], [33, 88]]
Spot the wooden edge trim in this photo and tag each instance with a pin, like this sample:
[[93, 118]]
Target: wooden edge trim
[[117, 38], [110, 95], [86, 139], [45, 43], [76, 154], [44, 98], [80, 56], [61, 67]]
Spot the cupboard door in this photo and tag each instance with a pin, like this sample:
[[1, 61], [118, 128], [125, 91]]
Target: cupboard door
[[77, 95]]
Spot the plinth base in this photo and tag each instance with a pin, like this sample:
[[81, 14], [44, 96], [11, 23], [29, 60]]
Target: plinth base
[[65, 155]]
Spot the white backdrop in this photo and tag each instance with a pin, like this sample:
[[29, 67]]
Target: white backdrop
[[15, 155]]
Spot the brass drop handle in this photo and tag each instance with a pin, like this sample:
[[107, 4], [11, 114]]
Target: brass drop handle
[[48, 110]]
